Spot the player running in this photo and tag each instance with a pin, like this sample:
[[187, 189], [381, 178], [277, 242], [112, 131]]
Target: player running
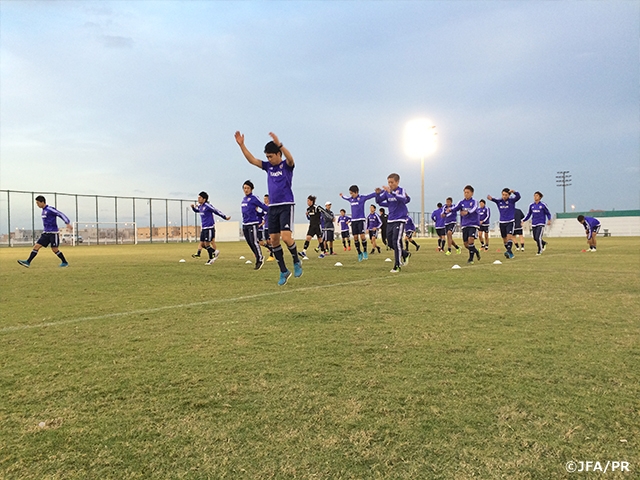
[[540, 215], [208, 228]]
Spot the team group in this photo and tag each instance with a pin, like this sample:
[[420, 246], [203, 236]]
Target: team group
[[269, 224]]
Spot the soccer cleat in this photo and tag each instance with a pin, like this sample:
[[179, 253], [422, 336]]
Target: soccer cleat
[[478, 254], [195, 255], [24, 263], [316, 249], [506, 255], [511, 255], [458, 250], [258, 265], [470, 262], [270, 259], [592, 249], [448, 252], [405, 259], [522, 248], [538, 254], [344, 249], [486, 248], [365, 255], [517, 249], [349, 248], [333, 253], [544, 246], [284, 276], [417, 247], [63, 265], [297, 270], [302, 254], [395, 270], [321, 255], [360, 257], [210, 261], [215, 254]]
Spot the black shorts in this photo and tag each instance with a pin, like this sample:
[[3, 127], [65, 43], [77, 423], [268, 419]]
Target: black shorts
[[357, 227], [345, 234], [373, 234], [207, 234], [484, 227], [450, 227], [594, 231], [517, 231], [441, 232], [49, 239], [409, 233], [280, 218], [327, 235], [314, 231], [469, 232], [507, 228]]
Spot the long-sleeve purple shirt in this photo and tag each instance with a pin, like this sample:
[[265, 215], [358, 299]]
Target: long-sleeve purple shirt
[[539, 214], [410, 226], [471, 218], [249, 206], [50, 219], [484, 215], [507, 207], [373, 221], [397, 202], [437, 218], [357, 206], [206, 211]]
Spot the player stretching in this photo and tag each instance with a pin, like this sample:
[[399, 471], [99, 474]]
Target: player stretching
[[50, 235], [507, 207], [438, 222], [373, 225], [450, 220], [592, 227], [344, 220], [251, 220], [540, 215], [484, 217], [279, 179], [469, 221], [315, 230], [208, 227], [358, 219], [396, 199], [409, 231]]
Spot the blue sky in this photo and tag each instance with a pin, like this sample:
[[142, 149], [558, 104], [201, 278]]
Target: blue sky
[[142, 98]]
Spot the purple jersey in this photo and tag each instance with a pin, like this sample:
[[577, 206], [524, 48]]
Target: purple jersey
[[344, 221], [590, 224], [484, 215], [507, 207], [50, 219], [471, 218], [436, 217], [357, 205], [397, 202], [250, 205], [450, 216], [410, 226], [279, 178], [539, 214], [206, 211], [264, 219], [373, 221]]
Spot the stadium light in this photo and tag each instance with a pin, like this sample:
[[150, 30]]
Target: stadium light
[[420, 141]]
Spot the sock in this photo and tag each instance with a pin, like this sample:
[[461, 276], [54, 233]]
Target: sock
[[472, 251], [364, 245], [211, 252], [199, 251], [357, 244], [32, 256], [344, 243], [509, 246], [449, 249], [455, 246], [279, 254], [414, 244], [349, 241], [306, 245], [517, 245], [61, 256], [406, 244], [293, 249], [331, 250], [378, 249]]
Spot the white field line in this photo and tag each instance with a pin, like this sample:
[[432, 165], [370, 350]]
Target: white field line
[[242, 298]]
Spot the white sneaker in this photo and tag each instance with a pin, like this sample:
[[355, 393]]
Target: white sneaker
[[210, 261], [215, 254]]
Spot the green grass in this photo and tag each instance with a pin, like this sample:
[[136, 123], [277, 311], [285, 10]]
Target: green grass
[[143, 367]]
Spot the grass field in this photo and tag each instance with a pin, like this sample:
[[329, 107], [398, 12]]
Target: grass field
[[143, 367]]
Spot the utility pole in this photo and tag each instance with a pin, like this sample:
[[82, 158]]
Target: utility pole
[[563, 179]]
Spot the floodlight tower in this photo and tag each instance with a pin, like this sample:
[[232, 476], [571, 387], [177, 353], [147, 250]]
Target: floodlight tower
[[420, 141], [563, 179]]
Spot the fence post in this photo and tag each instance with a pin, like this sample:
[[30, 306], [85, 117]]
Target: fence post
[[150, 221], [135, 225], [166, 220], [9, 215], [97, 227], [116, 217], [33, 217], [181, 227]]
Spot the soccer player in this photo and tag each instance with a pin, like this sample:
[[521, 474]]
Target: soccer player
[[328, 229], [592, 227], [373, 225], [507, 206], [250, 221], [50, 233], [484, 217], [395, 198], [409, 231], [469, 222], [438, 221], [344, 220], [450, 220], [518, 215], [208, 228], [279, 179], [358, 219], [263, 229], [383, 227], [314, 230], [540, 215]]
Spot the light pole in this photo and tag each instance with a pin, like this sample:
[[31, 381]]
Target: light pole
[[419, 142], [563, 179]]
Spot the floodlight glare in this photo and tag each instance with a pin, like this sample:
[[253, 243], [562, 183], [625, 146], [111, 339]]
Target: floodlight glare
[[420, 138]]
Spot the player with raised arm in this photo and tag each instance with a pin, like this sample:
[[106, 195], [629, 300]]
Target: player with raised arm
[[450, 220], [279, 178], [358, 219], [250, 220], [507, 206], [395, 198], [208, 226], [469, 222], [540, 216], [50, 232]]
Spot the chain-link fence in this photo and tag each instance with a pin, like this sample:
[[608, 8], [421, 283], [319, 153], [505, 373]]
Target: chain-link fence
[[101, 219]]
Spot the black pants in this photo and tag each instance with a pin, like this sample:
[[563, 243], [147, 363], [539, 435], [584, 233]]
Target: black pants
[[251, 236]]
